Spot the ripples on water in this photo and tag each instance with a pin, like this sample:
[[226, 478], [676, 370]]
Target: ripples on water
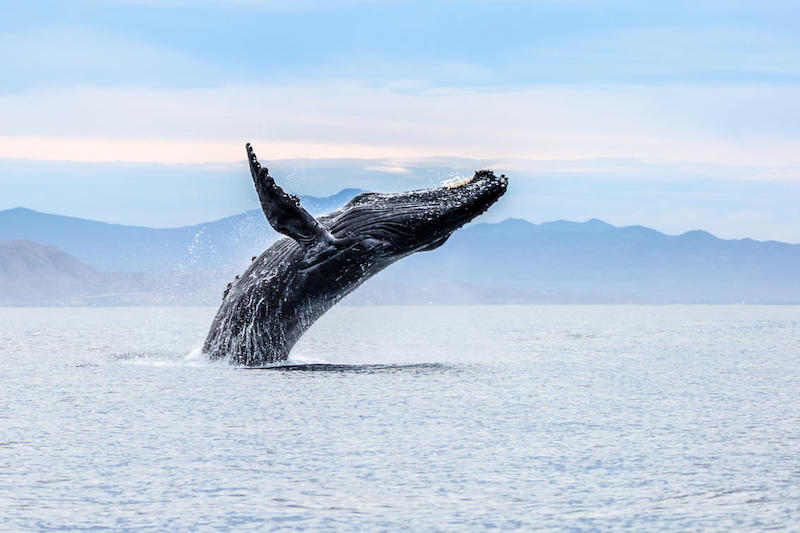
[[647, 418]]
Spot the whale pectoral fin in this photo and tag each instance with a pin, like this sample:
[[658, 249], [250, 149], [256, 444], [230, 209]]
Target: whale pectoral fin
[[283, 211]]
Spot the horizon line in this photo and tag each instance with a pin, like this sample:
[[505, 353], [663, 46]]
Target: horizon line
[[471, 224]]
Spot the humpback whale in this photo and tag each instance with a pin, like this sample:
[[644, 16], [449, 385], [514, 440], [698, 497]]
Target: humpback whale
[[321, 260]]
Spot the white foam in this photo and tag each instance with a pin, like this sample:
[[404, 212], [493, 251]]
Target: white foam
[[196, 354]]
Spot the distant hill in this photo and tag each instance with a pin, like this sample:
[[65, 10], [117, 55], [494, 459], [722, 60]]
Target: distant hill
[[35, 274], [597, 262], [32, 273], [221, 244], [514, 261]]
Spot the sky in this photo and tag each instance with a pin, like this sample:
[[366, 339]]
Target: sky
[[673, 115]]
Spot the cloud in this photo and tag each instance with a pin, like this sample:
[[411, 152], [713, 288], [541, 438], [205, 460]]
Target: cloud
[[182, 43], [279, 5], [667, 54], [64, 56], [389, 169], [733, 124]]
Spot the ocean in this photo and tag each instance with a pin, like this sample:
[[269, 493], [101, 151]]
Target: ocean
[[663, 418]]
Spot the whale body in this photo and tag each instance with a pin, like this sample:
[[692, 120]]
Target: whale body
[[290, 285]]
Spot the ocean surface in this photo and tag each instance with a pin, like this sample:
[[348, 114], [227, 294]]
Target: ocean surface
[[405, 418]]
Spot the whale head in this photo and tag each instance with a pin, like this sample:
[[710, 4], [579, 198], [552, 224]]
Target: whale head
[[419, 220]]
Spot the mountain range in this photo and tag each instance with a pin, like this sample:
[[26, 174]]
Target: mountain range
[[52, 259], [221, 244]]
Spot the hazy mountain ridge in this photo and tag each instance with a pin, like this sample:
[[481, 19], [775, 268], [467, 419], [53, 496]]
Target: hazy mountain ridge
[[633, 264], [35, 274], [514, 261], [220, 244], [30, 272]]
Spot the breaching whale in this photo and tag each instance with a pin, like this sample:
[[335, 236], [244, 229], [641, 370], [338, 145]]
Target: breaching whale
[[290, 285]]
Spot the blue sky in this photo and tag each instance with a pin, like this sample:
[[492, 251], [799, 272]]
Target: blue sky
[[676, 115]]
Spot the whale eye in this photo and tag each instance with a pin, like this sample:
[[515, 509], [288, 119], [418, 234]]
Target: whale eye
[[454, 183]]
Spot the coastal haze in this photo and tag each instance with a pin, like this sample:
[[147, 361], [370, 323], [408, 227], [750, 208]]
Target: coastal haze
[[55, 260]]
